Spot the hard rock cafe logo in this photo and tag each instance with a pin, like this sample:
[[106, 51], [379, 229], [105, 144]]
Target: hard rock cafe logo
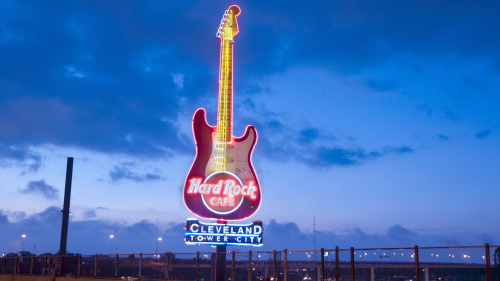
[[223, 192]]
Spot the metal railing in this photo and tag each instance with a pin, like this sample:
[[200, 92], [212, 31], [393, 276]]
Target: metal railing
[[473, 263]]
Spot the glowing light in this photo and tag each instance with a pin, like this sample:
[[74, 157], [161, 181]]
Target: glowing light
[[222, 148]]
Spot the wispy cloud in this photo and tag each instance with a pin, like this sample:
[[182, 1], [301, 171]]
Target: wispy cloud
[[123, 173], [483, 134]]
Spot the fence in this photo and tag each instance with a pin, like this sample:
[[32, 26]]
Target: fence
[[475, 263]]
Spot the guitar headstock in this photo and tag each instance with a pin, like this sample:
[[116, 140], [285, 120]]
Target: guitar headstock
[[228, 25]]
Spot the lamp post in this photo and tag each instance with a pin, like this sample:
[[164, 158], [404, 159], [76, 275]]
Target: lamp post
[[111, 248], [24, 236], [159, 245]]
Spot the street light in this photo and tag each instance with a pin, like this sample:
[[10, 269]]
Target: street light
[[111, 239], [24, 236], [159, 245]]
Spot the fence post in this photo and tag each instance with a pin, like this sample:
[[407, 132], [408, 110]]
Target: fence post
[[78, 267], [322, 264], [45, 267], [197, 266], [250, 265], [50, 264], [166, 267], [4, 260], [417, 264], [352, 263], [232, 267], [61, 258], [31, 266], [95, 266], [15, 265], [285, 261], [116, 266], [337, 265], [274, 265], [488, 262], [140, 265]]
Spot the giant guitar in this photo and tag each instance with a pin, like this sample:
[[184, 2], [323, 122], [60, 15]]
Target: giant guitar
[[222, 183]]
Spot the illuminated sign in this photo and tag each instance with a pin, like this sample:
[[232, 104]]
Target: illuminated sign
[[222, 183], [223, 234]]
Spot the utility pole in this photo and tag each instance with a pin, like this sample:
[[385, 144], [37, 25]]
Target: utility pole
[[65, 210], [314, 240]]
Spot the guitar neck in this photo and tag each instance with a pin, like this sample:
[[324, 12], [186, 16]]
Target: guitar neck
[[225, 114]]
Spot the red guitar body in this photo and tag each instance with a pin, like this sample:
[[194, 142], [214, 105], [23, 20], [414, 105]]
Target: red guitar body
[[240, 171]]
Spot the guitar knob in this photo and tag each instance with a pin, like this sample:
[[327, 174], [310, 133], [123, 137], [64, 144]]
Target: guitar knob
[[237, 171]]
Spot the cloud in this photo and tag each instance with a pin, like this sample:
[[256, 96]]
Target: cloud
[[112, 91], [19, 156], [89, 214], [310, 145], [178, 80], [485, 238], [382, 85], [41, 188], [399, 233], [442, 137], [90, 236], [3, 218], [121, 173], [483, 134], [308, 135], [71, 71]]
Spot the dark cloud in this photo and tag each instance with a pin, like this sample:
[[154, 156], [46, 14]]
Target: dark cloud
[[121, 173], [308, 135], [382, 85], [399, 233], [285, 230], [41, 188], [327, 157], [427, 109], [92, 236], [485, 238], [19, 156], [337, 156], [483, 134], [447, 241], [312, 146], [453, 116], [50, 215], [142, 227], [3, 218], [443, 137], [114, 77], [398, 150], [90, 214]]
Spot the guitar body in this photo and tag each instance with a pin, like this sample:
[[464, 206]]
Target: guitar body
[[246, 193]]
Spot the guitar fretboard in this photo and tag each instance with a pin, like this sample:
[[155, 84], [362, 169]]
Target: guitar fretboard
[[224, 117]]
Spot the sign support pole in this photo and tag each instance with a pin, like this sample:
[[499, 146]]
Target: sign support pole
[[220, 263], [220, 260]]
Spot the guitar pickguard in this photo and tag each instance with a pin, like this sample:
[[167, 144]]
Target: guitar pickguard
[[238, 152]]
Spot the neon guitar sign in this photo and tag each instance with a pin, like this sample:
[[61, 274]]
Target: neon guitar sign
[[222, 183]]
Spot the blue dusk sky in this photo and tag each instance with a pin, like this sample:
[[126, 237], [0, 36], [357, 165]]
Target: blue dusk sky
[[379, 118]]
